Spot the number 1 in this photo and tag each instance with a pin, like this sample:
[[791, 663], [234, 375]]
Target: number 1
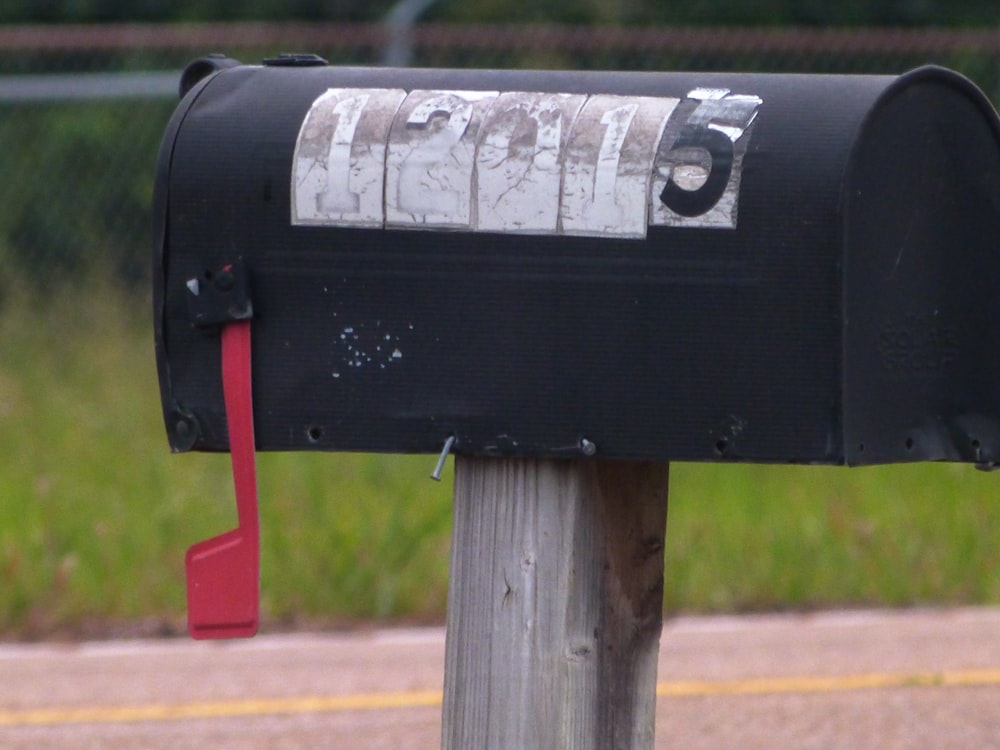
[[616, 122], [338, 195]]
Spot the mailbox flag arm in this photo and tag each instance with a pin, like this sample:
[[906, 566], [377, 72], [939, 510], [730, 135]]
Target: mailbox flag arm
[[223, 573]]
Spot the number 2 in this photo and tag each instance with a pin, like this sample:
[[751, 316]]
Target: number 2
[[430, 158]]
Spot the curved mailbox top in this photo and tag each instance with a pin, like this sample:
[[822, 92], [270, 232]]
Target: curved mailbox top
[[777, 268]]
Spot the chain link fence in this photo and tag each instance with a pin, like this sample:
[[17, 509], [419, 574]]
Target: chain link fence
[[82, 109]]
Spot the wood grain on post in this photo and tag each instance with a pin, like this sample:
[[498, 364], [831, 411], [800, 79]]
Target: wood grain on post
[[555, 605]]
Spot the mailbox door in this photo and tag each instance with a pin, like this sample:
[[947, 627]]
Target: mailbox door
[[922, 347]]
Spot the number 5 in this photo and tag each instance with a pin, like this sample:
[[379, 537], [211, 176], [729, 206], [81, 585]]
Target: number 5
[[700, 164]]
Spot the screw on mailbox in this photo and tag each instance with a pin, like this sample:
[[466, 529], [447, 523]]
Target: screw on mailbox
[[448, 444]]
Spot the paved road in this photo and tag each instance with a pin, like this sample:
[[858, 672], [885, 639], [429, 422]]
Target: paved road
[[885, 680]]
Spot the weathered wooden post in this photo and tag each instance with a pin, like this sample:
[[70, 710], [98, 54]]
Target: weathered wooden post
[[556, 603], [568, 280]]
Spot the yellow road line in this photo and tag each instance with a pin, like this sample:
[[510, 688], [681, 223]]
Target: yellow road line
[[217, 709], [841, 683], [432, 698]]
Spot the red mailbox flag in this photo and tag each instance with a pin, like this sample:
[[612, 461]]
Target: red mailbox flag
[[223, 573]]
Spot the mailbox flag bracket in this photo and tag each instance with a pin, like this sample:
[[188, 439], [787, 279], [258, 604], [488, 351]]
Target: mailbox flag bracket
[[223, 573]]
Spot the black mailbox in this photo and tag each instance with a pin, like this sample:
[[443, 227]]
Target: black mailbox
[[772, 268]]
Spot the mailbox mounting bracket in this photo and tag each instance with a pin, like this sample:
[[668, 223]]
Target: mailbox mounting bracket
[[220, 296]]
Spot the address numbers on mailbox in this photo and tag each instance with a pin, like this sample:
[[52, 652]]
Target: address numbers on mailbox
[[527, 162]]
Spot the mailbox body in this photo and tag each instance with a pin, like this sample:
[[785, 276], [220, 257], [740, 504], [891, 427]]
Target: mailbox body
[[773, 268]]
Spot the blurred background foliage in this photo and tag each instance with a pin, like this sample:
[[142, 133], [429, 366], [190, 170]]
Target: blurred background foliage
[[708, 12]]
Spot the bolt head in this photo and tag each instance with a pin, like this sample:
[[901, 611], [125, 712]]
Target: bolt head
[[224, 281]]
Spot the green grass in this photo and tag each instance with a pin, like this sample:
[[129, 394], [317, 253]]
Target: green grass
[[759, 537], [96, 514]]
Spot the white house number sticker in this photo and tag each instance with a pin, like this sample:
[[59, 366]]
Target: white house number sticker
[[523, 162], [607, 167], [519, 161], [430, 156], [339, 162]]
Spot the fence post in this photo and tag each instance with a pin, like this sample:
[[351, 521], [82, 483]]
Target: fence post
[[555, 605]]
